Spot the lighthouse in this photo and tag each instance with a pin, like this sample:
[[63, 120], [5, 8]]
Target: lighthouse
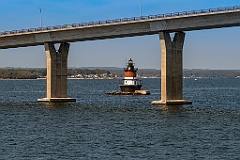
[[130, 83]]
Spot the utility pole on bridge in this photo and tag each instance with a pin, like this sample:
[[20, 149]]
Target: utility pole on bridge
[[40, 10]]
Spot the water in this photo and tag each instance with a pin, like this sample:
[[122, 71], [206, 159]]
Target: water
[[100, 126]]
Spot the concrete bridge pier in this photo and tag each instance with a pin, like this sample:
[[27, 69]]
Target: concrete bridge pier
[[171, 69], [56, 73]]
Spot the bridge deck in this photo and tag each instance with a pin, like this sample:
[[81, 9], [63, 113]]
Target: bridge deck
[[127, 27]]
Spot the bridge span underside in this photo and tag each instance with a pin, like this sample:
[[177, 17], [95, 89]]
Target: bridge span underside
[[171, 50]]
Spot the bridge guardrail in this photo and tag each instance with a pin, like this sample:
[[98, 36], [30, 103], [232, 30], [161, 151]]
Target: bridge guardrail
[[122, 20]]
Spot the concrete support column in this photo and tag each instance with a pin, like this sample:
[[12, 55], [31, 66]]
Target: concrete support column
[[56, 73], [171, 69]]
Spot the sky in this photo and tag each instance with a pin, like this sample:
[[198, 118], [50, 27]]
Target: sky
[[205, 49]]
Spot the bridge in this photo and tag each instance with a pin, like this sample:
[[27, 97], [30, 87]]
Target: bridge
[[162, 24]]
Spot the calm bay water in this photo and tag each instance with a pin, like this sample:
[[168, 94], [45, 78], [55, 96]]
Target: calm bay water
[[100, 126]]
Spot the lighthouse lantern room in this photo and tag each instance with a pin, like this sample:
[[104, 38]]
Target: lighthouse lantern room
[[130, 83]]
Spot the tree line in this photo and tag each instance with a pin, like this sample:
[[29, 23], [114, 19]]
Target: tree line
[[22, 73], [39, 73], [195, 73]]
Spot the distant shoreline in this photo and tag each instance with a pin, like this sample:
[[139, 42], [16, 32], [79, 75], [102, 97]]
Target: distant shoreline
[[114, 74], [76, 78], [120, 78]]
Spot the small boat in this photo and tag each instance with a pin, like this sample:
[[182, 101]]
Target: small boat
[[130, 83]]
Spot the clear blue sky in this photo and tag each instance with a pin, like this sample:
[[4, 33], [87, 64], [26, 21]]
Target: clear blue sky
[[206, 49]]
